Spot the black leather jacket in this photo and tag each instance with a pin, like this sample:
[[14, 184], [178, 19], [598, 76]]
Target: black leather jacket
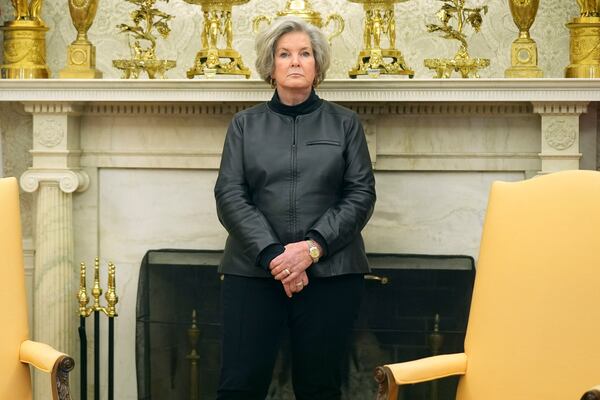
[[281, 177]]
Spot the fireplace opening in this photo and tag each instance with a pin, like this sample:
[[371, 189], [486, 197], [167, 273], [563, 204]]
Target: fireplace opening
[[414, 306]]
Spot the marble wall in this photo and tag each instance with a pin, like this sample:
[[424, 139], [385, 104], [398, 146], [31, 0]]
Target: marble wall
[[493, 42]]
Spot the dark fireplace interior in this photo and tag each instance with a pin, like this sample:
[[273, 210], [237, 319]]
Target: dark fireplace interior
[[414, 306]]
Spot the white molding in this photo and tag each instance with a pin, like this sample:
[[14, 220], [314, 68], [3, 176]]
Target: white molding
[[69, 181], [342, 90]]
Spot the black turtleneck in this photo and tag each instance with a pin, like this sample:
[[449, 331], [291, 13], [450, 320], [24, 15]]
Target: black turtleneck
[[306, 107]]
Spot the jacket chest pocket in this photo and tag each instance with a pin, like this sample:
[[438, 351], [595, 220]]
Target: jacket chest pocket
[[323, 142]]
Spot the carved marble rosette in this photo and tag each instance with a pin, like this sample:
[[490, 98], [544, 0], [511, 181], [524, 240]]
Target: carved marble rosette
[[524, 56], [455, 11], [375, 59], [25, 43], [584, 51], [81, 54], [146, 19], [217, 56], [303, 9]]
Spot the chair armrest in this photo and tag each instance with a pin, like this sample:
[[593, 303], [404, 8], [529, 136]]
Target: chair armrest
[[592, 394], [46, 359], [426, 369]]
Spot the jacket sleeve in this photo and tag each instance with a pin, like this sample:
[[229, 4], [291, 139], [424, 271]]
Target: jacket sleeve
[[340, 224], [240, 217]]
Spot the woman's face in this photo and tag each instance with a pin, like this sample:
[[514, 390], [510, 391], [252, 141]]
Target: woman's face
[[294, 62]]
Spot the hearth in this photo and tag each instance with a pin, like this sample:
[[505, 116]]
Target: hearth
[[414, 306]]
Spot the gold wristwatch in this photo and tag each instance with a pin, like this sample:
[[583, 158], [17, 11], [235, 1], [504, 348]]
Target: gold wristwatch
[[313, 251]]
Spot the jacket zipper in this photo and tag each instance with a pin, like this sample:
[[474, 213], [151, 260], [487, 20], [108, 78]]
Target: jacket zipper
[[294, 151]]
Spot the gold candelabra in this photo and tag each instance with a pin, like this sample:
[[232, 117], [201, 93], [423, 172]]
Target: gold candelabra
[[81, 54], [217, 55], [524, 55], [111, 295], [303, 9], [584, 52], [25, 43], [467, 66], [375, 58], [146, 20]]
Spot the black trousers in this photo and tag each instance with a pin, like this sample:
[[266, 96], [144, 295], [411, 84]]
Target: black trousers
[[320, 319]]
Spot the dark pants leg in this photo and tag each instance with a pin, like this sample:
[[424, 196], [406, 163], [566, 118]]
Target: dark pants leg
[[321, 320], [254, 313]]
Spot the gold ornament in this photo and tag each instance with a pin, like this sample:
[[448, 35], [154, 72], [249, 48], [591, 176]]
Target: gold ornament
[[25, 43], [584, 52], [81, 54], [524, 56], [467, 66], [146, 19], [379, 26], [303, 9], [217, 55]]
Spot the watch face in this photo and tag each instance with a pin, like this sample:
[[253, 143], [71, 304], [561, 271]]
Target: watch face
[[314, 252]]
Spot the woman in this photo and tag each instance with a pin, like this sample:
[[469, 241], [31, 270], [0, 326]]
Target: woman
[[295, 188]]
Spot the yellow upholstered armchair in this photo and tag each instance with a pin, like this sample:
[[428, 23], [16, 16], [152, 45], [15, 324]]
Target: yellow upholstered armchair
[[535, 313], [16, 351]]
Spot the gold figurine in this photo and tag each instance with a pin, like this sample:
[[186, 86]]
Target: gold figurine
[[146, 19], [303, 9], [217, 55], [81, 54], [455, 10], [379, 27], [584, 52], [25, 43], [524, 56]]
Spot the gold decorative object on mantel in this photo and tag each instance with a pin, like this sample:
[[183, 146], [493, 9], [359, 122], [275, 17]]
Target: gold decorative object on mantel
[[373, 59], [462, 62], [303, 9], [584, 52], [217, 31], [524, 55], [81, 54], [146, 19], [25, 43]]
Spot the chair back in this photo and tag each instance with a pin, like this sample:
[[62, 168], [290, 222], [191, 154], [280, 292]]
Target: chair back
[[535, 313], [15, 382]]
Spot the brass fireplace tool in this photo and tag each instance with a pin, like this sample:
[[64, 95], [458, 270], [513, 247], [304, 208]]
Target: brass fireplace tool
[[84, 311], [193, 335]]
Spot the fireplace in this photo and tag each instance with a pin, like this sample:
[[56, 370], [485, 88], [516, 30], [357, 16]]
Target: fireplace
[[397, 322]]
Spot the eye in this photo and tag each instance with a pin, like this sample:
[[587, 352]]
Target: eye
[[306, 54], [283, 54]]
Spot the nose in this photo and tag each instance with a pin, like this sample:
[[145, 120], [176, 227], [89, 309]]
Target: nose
[[295, 59]]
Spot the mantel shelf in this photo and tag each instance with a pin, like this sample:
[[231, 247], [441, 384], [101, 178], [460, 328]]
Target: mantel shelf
[[340, 90]]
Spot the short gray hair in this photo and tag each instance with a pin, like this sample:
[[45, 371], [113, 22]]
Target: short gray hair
[[266, 43]]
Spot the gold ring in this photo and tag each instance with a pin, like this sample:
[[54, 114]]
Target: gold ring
[[287, 271], [299, 284]]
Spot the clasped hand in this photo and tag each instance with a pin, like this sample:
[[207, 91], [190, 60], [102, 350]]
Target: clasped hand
[[290, 267]]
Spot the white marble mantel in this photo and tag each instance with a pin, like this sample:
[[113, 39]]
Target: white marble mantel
[[125, 166], [340, 90]]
